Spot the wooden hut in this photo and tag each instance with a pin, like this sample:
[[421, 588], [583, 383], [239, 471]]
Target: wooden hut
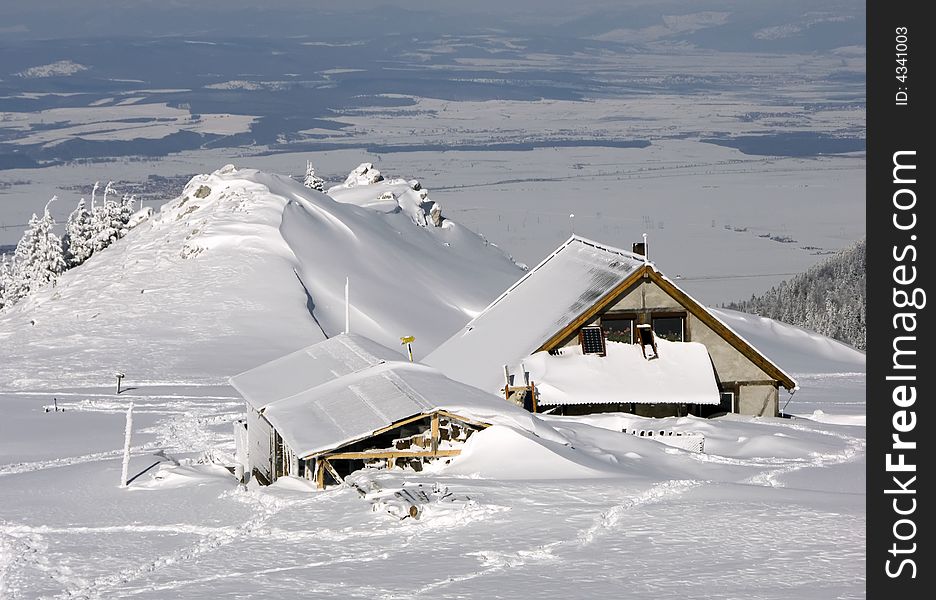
[[345, 403]]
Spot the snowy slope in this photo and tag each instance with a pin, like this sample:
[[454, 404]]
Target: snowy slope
[[794, 349], [774, 508], [209, 287]]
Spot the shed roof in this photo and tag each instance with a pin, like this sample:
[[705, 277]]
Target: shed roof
[[311, 366], [518, 322], [351, 408], [345, 388]]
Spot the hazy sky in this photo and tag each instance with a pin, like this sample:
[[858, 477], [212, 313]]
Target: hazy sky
[[613, 20]]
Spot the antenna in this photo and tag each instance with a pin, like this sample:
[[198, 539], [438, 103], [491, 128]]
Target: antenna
[[347, 305]]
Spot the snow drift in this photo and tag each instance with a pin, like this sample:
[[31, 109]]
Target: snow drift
[[242, 267]]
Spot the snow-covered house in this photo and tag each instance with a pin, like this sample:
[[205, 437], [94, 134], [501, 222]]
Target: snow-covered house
[[334, 407], [595, 328]]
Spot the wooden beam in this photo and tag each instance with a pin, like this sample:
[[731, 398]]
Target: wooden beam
[[595, 309], [400, 423], [320, 473], [391, 427], [462, 419], [331, 471], [434, 434], [722, 330], [389, 454]]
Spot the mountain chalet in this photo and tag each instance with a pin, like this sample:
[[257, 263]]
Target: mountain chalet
[[593, 328]]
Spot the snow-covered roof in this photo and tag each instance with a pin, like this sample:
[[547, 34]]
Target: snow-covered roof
[[311, 366], [350, 408], [343, 389], [551, 295], [682, 374], [559, 294]]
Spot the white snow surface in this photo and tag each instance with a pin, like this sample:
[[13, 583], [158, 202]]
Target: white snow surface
[[794, 349], [559, 507], [682, 373], [214, 276]]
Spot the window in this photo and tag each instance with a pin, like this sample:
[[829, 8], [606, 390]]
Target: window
[[618, 329], [669, 328]]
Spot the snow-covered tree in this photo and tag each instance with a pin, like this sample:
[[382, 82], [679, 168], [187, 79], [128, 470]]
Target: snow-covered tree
[[312, 181], [76, 243], [38, 257], [108, 219], [830, 298], [5, 279]]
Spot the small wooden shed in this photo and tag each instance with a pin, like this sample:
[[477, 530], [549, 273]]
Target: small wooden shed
[[345, 403]]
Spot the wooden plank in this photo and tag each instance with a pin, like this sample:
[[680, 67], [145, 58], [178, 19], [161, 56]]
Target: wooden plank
[[566, 332], [388, 455], [722, 330], [320, 474], [434, 434], [400, 423], [391, 427], [331, 471], [465, 420]]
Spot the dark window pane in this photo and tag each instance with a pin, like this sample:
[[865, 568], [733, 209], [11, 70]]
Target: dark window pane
[[619, 330], [669, 328]]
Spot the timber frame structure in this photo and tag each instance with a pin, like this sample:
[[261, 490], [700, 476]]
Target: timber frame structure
[[322, 466]]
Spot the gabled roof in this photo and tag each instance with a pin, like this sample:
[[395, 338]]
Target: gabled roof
[[348, 387], [548, 304], [519, 321], [311, 366]]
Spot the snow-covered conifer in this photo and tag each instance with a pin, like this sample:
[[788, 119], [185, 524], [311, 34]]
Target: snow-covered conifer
[[312, 181], [38, 256], [829, 298], [107, 220], [76, 243], [4, 279]]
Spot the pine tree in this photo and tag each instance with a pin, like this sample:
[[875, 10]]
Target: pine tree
[[38, 256], [312, 181], [76, 243], [4, 279], [830, 298], [107, 224]]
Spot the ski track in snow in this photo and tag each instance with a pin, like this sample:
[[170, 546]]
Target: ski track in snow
[[186, 426], [605, 523], [265, 505]]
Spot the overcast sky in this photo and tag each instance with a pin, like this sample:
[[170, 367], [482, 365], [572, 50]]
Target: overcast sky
[[615, 20]]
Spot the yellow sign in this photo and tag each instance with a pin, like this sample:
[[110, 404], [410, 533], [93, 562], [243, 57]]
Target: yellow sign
[[409, 339]]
